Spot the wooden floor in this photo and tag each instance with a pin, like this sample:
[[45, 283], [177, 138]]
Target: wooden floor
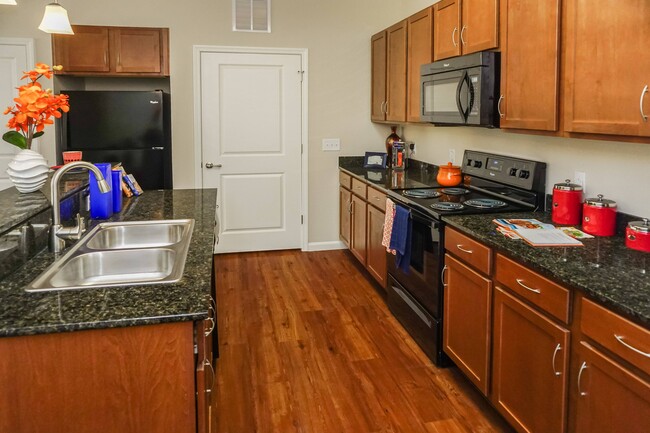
[[307, 344]]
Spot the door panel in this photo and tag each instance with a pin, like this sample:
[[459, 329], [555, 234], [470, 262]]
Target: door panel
[[15, 57], [446, 29], [251, 147]]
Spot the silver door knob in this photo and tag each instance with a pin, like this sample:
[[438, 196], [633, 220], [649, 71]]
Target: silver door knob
[[210, 165]]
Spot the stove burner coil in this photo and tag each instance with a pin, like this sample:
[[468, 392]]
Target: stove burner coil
[[447, 206], [455, 191], [421, 193], [485, 203]]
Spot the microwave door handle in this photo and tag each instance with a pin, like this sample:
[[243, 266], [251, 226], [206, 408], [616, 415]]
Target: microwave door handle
[[459, 102], [462, 96], [472, 94]]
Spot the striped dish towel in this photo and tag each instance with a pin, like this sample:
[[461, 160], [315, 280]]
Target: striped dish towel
[[388, 225]]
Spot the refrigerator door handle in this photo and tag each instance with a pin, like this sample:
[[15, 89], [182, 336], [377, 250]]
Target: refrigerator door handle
[[158, 148]]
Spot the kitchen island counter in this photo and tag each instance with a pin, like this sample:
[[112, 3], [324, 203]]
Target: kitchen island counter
[[23, 313]]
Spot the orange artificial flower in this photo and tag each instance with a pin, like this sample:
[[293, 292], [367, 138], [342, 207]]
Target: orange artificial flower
[[34, 108]]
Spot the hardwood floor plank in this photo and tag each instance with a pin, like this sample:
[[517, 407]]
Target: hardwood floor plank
[[307, 345]]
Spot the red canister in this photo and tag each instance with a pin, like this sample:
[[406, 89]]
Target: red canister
[[567, 203], [599, 216], [637, 235]]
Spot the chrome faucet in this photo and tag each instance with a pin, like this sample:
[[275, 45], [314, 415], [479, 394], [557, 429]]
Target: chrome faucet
[[58, 233]]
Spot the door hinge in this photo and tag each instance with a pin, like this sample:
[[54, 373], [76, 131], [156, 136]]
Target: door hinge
[[301, 148], [302, 219], [302, 75]]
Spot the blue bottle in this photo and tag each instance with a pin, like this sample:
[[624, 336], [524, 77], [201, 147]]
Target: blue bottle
[[101, 204], [116, 190]]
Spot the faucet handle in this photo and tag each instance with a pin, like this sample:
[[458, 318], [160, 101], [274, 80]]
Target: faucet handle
[[73, 233], [81, 223]]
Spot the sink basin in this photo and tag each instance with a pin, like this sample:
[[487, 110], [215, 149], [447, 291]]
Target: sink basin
[[121, 254]]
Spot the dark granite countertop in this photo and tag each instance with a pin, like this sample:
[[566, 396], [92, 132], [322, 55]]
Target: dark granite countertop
[[23, 313], [604, 269]]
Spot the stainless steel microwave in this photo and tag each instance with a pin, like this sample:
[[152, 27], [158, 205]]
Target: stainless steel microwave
[[461, 91]]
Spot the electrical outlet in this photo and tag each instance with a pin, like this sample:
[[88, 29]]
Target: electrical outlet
[[580, 177], [452, 156], [331, 144], [412, 147]]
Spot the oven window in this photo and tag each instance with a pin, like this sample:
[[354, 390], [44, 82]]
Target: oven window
[[421, 243]]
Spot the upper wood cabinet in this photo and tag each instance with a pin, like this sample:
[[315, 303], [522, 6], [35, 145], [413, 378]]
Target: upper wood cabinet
[[464, 27], [396, 73], [107, 51], [378, 78], [607, 67], [420, 52], [530, 34]]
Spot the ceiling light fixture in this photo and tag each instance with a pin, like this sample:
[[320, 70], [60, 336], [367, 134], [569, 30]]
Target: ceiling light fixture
[[8, 2], [55, 20]]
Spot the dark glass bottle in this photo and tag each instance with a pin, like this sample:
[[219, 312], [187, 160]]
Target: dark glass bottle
[[389, 144]]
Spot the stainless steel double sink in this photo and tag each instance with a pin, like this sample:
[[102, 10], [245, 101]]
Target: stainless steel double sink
[[121, 254]]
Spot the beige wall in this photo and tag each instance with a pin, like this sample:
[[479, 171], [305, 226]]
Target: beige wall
[[337, 34]]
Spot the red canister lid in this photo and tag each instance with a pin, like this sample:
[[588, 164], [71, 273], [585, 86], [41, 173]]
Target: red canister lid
[[600, 202], [640, 226], [568, 186]]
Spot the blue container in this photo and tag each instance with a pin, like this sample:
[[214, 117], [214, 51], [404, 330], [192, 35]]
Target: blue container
[[116, 190], [101, 205]]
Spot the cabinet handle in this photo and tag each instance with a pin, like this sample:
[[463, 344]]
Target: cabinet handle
[[520, 281], [386, 106], [460, 247], [462, 40], [381, 108], [499, 106], [442, 276], [643, 92], [214, 324], [619, 338], [453, 37], [557, 349], [207, 363], [583, 367]]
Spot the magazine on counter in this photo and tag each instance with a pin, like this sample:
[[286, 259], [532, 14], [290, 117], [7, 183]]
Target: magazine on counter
[[539, 234], [516, 224]]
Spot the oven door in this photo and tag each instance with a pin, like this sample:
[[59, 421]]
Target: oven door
[[422, 280], [444, 97]]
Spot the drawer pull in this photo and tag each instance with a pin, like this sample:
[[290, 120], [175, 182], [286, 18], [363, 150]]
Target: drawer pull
[[520, 282], [460, 247], [557, 349], [640, 352], [583, 367], [442, 276]]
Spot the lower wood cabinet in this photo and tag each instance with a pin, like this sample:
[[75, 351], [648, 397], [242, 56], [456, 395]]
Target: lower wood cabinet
[[139, 378], [345, 223], [530, 365], [358, 230], [609, 397], [376, 252], [467, 319]]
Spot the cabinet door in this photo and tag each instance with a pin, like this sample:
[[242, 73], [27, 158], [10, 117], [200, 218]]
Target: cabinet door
[[85, 51], [378, 94], [205, 377], [530, 54], [396, 73], [137, 50], [420, 52], [358, 232], [480, 25], [344, 215], [530, 355], [466, 330], [446, 29], [607, 67], [376, 263], [610, 398]]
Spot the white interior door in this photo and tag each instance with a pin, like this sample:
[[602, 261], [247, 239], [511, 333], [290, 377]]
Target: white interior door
[[15, 57], [251, 147]]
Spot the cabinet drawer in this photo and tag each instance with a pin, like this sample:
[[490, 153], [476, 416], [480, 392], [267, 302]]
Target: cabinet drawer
[[359, 188], [626, 339], [345, 180], [470, 251], [542, 292], [377, 198]]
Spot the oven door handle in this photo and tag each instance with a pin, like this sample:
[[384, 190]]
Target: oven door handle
[[416, 309]]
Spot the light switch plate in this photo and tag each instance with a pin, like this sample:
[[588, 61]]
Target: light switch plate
[[331, 144], [580, 177]]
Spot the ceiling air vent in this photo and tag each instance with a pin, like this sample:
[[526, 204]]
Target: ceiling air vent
[[251, 15]]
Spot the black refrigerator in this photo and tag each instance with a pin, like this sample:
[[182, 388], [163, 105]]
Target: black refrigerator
[[131, 127]]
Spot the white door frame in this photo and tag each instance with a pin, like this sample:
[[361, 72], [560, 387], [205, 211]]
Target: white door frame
[[198, 157]]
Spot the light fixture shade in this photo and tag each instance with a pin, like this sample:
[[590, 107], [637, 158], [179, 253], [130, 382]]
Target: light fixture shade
[[55, 20], [8, 2]]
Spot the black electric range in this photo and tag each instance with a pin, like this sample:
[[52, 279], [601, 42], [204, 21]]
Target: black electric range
[[491, 183]]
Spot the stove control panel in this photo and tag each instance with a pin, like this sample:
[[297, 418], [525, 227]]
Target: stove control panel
[[521, 173]]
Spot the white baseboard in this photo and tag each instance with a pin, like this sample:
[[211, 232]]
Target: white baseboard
[[325, 246]]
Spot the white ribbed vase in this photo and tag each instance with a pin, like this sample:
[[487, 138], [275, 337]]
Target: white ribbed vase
[[28, 171]]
